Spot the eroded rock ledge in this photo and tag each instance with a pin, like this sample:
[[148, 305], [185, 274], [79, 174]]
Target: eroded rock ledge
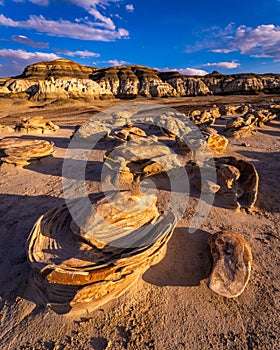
[[64, 79]]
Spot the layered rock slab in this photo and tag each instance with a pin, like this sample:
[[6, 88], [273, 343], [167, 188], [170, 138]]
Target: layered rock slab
[[19, 151], [71, 274]]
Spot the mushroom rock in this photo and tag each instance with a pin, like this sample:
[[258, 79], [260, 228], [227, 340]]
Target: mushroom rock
[[232, 261], [139, 157], [38, 124], [76, 271], [23, 151]]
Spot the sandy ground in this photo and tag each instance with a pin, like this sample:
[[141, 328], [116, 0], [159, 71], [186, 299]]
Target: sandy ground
[[171, 307]]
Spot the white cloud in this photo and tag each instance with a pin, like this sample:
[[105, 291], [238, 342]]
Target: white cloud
[[40, 2], [17, 60], [91, 6], [83, 54], [223, 50], [22, 39], [36, 2], [226, 65], [116, 62], [129, 8], [25, 55], [262, 41], [65, 28], [185, 71]]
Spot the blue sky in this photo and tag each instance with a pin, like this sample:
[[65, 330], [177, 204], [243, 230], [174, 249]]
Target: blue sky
[[193, 37]]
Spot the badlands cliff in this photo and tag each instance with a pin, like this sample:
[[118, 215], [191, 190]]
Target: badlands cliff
[[63, 79]]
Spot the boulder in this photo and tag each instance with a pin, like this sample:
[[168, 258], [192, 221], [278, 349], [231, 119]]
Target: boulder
[[217, 143], [140, 157], [232, 262], [236, 181], [203, 117]]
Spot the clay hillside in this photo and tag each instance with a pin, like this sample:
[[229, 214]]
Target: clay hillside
[[64, 79]]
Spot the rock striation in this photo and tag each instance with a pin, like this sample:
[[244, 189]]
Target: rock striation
[[64, 79], [76, 269], [19, 151]]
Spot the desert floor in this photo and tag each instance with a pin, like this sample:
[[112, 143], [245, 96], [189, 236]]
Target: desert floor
[[171, 307]]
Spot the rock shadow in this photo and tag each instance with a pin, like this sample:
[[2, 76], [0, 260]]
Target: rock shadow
[[186, 263], [268, 170]]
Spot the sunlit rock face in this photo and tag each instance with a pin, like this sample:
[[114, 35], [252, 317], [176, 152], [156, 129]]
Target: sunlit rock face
[[66, 79], [220, 84]]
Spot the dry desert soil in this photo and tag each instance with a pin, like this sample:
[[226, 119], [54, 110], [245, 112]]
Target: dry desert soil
[[171, 307]]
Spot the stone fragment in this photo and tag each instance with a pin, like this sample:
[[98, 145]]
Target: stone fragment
[[232, 261]]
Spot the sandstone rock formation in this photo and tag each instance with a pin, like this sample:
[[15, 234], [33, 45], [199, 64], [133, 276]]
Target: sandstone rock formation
[[129, 133], [37, 124], [6, 129], [63, 79], [71, 274], [242, 83], [233, 109], [23, 151], [243, 125], [186, 86], [114, 218], [236, 183], [215, 142], [140, 157], [232, 261], [204, 117]]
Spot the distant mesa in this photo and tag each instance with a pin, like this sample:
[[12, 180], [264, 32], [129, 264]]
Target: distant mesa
[[66, 79]]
